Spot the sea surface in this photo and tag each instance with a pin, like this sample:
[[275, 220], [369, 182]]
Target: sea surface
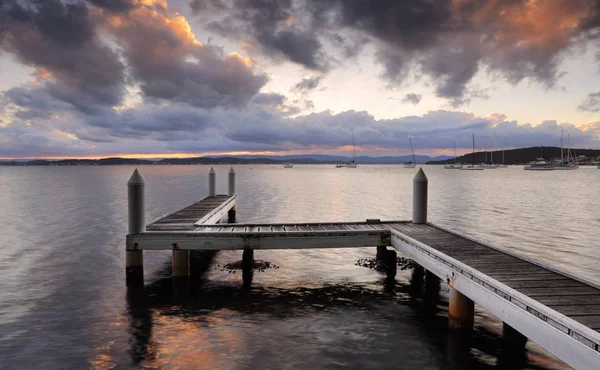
[[64, 303]]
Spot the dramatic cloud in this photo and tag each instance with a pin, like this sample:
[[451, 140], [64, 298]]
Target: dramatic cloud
[[591, 103], [447, 41], [58, 39], [306, 85], [412, 98], [157, 53]]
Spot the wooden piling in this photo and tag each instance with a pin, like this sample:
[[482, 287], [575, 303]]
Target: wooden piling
[[461, 311]]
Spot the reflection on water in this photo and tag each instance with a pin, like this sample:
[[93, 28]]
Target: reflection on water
[[64, 302]]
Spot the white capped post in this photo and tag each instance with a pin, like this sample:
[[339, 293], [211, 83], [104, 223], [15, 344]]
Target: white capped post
[[231, 182], [212, 182], [420, 198], [134, 259]]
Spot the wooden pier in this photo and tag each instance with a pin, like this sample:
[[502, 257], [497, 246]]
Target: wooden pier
[[556, 309]]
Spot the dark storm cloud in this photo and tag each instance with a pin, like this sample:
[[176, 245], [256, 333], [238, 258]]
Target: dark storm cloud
[[204, 5], [591, 103], [447, 41], [114, 5], [412, 98], [307, 84], [59, 40]]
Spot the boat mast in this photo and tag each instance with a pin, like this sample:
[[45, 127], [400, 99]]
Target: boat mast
[[455, 152], [503, 161], [569, 149], [412, 151], [562, 135], [353, 148], [491, 153], [473, 150]]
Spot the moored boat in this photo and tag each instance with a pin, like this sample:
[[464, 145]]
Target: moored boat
[[472, 167], [412, 163], [539, 165], [455, 165]]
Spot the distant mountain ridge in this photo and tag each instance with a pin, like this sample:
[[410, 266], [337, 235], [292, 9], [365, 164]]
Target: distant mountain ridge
[[243, 159]]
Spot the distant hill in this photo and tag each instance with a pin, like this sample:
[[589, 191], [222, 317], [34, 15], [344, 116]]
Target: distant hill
[[246, 159], [518, 156]]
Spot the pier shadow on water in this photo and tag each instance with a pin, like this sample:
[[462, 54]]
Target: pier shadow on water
[[411, 315]]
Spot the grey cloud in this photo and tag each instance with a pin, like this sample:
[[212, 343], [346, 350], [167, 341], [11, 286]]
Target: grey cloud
[[307, 84], [591, 103], [114, 5], [273, 99], [176, 127], [206, 5], [412, 98], [446, 41], [59, 40]]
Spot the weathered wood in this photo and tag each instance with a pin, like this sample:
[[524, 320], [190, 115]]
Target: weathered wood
[[580, 309]]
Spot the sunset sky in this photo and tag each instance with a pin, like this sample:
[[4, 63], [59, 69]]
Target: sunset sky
[[156, 78]]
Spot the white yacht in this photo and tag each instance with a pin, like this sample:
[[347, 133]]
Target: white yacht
[[539, 165]]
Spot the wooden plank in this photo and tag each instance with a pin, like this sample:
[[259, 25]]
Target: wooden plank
[[569, 300], [591, 321], [315, 227], [303, 228], [239, 229], [290, 228], [278, 228], [544, 284], [555, 292], [507, 277], [580, 309]]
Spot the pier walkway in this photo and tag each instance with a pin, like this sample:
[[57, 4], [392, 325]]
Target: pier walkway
[[556, 309]]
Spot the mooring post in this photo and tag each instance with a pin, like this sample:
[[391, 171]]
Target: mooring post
[[231, 186], [212, 182], [461, 311], [420, 198], [181, 263], [134, 259]]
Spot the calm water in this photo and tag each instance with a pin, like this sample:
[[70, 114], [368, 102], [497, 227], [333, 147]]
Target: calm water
[[64, 304]]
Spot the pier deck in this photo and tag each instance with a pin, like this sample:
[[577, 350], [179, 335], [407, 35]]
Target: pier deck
[[208, 210], [557, 309]]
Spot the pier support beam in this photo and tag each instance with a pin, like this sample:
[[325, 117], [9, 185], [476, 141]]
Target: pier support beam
[[231, 192], [248, 266], [512, 353], [420, 198], [432, 292], [134, 259], [461, 311], [181, 263], [212, 182]]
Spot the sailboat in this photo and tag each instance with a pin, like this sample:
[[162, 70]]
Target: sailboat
[[412, 163], [288, 164], [565, 165], [455, 165], [473, 167], [353, 163], [503, 165], [490, 165]]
